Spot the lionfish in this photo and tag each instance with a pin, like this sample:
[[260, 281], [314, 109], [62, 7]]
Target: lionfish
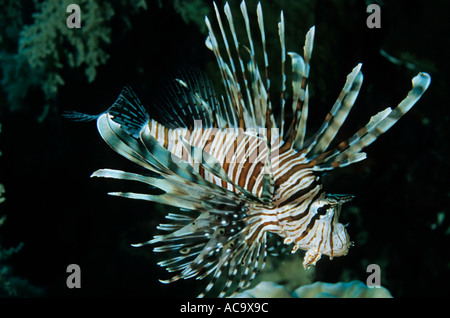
[[239, 176]]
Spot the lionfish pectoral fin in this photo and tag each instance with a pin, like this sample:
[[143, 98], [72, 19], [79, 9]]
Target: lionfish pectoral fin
[[126, 145], [183, 186], [211, 244], [147, 152], [183, 196], [213, 248]]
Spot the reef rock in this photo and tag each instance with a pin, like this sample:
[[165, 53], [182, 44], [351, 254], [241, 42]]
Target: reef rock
[[353, 289]]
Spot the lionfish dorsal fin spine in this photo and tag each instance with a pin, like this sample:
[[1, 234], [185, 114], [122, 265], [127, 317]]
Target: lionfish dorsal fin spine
[[227, 47], [229, 16], [229, 77], [300, 69], [344, 145], [255, 104], [301, 128], [338, 113], [298, 98], [233, 82], [263, 42], [348, 151], [388, 118], [281, 34]]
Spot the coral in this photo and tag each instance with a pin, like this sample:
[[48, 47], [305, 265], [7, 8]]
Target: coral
[[288, 271], [265, 290], [353, 289], [282, 274], [193, 11], [36, 54], [42, 43], [282, 277]]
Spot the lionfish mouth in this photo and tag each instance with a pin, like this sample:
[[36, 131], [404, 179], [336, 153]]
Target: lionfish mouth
[[225, 180]]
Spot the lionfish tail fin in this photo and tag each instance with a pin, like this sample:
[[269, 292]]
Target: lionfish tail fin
[[79, 117], [129, 112], [126, 111]]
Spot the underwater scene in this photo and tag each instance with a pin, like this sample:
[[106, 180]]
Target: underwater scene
[[191, 148]]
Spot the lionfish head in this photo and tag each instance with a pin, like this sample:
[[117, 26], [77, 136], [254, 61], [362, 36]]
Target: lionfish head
[[329, 237]]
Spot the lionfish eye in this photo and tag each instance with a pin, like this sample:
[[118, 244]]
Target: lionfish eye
[[322, 210]]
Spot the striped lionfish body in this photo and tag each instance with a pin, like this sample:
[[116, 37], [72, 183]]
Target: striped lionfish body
[[237, 174]]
